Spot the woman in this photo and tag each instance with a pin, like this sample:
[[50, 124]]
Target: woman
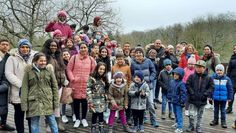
[[39, 93], [14, 71], [54, 57], [105, 58], [211, 59], [78, 70], [189, 50]]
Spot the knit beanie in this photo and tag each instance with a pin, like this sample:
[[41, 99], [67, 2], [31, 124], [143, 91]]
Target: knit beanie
[[139, 74], [62, 13], [118, 74], [57, 32], [192, 59], [24, 42], [220, 67], [167, 62]]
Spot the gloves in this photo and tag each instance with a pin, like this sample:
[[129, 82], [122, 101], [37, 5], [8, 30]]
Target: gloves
[[137, 93], [143, 95]]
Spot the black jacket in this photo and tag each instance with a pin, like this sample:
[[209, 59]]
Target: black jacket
[[199, 88], [4, 86], [231, 72]]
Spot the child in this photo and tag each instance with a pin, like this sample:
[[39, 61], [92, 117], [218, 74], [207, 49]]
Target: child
[[177, 95], [118, 100], [39, 93], [187, 72], [199, 88], [223, 92], [139, 91], [164, 81], [70, 45], [96, 95]]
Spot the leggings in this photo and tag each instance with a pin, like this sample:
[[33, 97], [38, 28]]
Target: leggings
[[77, 103], [138, 116], [95, 116]]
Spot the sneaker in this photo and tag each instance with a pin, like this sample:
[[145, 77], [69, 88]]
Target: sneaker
[[190, 129], [228, 111], [155, 105], [155, 124], [178, 130], [171, 116], [141, 129], [187, 112], [233, 126], [209, 106], [163, 116], [64, 119], [199, 130], [135, 129], [223, 124], [74, 118], [145, 120], [214, 123], [7, 128], [93, 129], [77, 123], [84, 123], [174, 125]]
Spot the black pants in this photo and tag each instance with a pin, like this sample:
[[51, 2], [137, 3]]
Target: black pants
[[77, 103], [138, 116], [157, 90], [4, 119], [95, 116], [128, 112], [230, 104]]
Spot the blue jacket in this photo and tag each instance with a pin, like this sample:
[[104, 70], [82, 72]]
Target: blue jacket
[[147, 68], [164, 81], [177, 93], [223, 88]]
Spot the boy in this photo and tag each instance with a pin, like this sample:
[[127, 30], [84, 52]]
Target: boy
[[223, 92], [199, 87]]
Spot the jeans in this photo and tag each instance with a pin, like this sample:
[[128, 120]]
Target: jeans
[[153, 91], [195, 111], [3, 120], [219, 105], [164, 102], [112, 117], [51, 121], [178, 115]]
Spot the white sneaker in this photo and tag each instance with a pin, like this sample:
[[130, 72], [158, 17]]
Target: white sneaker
[[77, 123], [64, 119], [178, 130], [174, 125], [85, 123], [186, 112], [74, 118]]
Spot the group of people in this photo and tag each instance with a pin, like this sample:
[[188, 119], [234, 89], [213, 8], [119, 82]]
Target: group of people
[[110, 81]]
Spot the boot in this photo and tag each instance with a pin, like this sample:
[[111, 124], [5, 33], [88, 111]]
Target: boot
[[190, 128], [110, 129], [93, 128], [214, 123], [228, 110], [163, 115], [198, 129], [59, 124], [223, 124], [171, 116], [127, 129], [101, 128]]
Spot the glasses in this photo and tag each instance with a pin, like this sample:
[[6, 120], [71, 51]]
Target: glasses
[[168, 65], [158, 43]]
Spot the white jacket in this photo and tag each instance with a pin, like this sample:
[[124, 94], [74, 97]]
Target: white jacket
[[14, 71]]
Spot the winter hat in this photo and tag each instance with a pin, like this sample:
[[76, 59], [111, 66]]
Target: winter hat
[[62, 13], [192, 59], [179, 71], [24, 42], [57, 32], [118, 74], [170, 47], [167, 62], [139, 74], [220, 67]]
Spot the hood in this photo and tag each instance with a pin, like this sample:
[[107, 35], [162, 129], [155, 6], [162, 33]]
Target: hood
[[179, 71]]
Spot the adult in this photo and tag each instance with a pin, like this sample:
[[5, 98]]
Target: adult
[[4, 85], [145, 65], [211, 59], [14, 72], [54, 57], [169, 54], [78, 70], [189, 50], [60, 24], [126, 51], [231, 73], [158, 46]]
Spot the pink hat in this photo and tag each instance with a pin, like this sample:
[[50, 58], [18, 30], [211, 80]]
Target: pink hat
[[62, 13], [56, 32], [192, 59]]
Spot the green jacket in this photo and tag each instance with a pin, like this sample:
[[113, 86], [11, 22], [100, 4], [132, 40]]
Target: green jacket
[[39, 91]]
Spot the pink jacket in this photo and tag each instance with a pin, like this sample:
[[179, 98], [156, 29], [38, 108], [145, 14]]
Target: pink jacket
[[64, 28], [78, 70], [187, 73]]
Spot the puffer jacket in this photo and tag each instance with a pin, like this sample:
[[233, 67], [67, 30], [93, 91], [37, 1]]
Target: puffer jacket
[[164, 81], [199, 88], [63, 27], [118, 94], [231, 71], [147, 68], [96, 94], [138, 102], [78, 70], [39, 91], [4, 85], [223, 89], [14, 72]]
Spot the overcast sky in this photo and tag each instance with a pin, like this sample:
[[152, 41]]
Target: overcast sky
[[143, 15]]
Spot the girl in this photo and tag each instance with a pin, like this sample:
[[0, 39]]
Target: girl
[[70, 45], [39, 93], [118, 100], [139, 91], [96, 95]]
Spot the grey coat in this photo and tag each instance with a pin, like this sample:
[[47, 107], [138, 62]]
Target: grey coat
[[138, 102]]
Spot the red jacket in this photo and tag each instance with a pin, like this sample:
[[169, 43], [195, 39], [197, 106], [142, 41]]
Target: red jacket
[[64, 28], [183, 62]]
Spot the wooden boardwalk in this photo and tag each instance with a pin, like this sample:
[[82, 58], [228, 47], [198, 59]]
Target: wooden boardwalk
[[165, 125]]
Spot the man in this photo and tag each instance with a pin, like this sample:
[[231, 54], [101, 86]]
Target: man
[[158, 46], [126, 50], [60, 24], [4, 86]]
